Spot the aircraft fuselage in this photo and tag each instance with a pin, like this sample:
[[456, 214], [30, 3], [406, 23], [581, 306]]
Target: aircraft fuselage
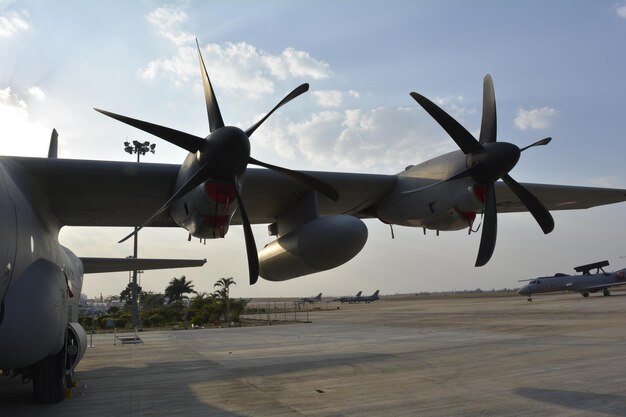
[[41, 280]]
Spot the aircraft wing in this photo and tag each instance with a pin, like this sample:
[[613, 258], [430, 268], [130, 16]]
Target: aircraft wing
[[603, 286], [98, 193], [107, 193], [558, 197]]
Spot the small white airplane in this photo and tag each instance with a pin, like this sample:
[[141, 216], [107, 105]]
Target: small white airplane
[[315, 216]]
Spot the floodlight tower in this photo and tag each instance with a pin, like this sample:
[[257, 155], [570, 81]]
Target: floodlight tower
[[138, 148]]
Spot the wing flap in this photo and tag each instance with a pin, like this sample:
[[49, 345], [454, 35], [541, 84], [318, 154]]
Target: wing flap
[[99, 265]]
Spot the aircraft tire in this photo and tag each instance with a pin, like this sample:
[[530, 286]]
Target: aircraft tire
[[49, 379]]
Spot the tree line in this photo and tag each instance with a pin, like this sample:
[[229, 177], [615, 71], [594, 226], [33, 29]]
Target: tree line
[[179, 305]]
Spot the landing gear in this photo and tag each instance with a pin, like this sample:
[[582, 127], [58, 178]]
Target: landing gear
[[49, 379], [606, 292], [53, 377], [585, 294], [530, 298]]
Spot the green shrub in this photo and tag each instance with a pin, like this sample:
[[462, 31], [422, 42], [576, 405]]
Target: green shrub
[[156, 320]]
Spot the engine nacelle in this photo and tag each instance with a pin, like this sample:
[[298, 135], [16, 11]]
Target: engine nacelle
[[444, 206], [321, 244], [207, 210]]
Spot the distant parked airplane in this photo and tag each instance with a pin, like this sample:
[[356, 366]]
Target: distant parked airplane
[[585, 283], [370, 298], [350, 299], [358, 298], [311, 300]]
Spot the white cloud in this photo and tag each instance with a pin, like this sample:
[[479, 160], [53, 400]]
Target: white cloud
[[606, 182], [12, 22], [21, 134], [381, 140], [354, 94], [535, 118], [166, 20], [454, 106], [237, 66], [273, 136], [329, 98], [232, 66], [621, 10], [292, 63], [179, 68], [37, 93]]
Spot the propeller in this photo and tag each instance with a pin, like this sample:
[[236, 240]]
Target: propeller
[[222, 156], [487, 161]]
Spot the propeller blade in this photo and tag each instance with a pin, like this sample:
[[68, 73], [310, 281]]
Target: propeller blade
[[212, 109], [458, 133], [196, 179], [488, 125], [181, 139], [314, 183], [303, 88], [490, 227], [539, 212], [541, 142], [53, 149], [253, 257]]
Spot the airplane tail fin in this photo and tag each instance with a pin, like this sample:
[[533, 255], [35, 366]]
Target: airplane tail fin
[[376, 293], [319, 296], [358, 294], [54, 144]]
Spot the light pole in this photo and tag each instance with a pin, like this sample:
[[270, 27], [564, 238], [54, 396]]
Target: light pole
[[140, 149]]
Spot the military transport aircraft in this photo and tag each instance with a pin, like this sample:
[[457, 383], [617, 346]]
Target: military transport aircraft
[[315, 216], [585, 283]]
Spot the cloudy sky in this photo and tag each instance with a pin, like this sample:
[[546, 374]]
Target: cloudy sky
[[558, 69]]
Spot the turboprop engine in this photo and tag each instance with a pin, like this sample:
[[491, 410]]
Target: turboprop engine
[[318, 245], [443, 206]]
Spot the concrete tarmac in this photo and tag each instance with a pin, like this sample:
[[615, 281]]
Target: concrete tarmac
[[561, 355]]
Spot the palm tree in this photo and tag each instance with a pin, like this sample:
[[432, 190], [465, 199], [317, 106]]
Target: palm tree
[[177, 288], [223, 292], [224, 284]]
